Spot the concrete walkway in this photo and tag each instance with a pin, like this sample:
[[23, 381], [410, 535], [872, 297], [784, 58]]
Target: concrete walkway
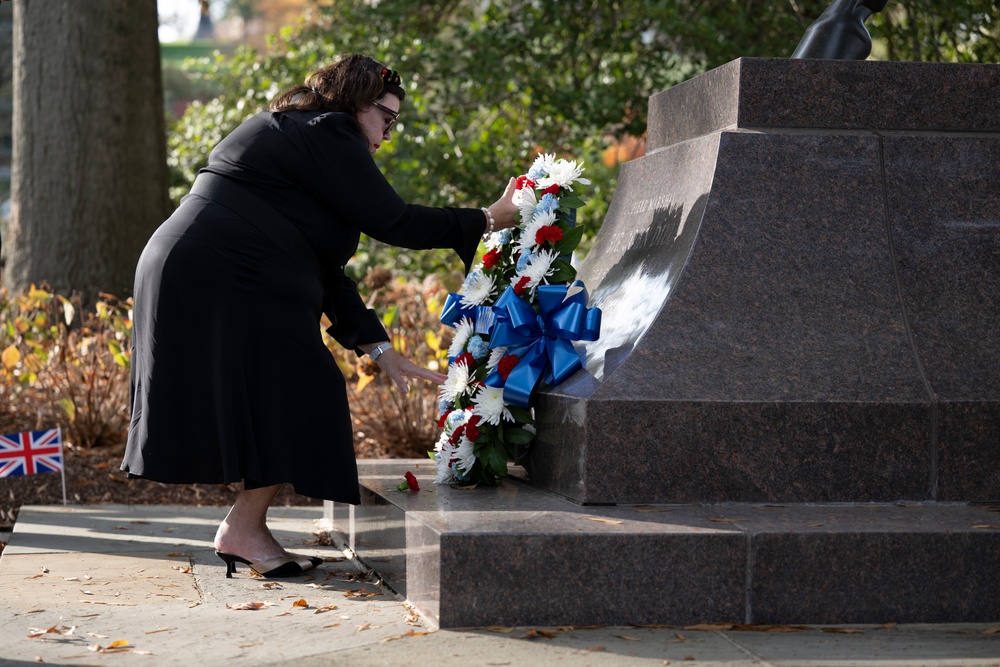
[[117, 585]]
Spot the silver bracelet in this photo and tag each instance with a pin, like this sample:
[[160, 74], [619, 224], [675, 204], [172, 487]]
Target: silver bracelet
[[379, 350], [489, 218]]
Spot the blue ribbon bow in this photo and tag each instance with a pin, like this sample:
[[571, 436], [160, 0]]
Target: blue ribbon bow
[[454, 312], [541, 341]]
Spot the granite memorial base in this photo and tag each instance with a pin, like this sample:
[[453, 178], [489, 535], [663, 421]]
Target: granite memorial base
[[793, 412]]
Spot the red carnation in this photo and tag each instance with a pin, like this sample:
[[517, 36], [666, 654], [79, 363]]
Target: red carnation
[[521, 285], [471, 430], [465, 358], [548, 233], [491, 258], [411, 481], [551, 190], [456, 436], [506, 365], [519, 182], [444, 418]]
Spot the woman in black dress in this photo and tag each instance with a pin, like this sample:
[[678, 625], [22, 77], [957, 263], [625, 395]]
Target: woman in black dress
[[231, 380]]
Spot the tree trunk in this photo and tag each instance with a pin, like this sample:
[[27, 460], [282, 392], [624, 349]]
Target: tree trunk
[[89, 182]]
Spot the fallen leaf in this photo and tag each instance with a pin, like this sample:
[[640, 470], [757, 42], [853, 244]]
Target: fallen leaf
[[410, 633], [364, 626], [301, 602], [332, 625], [602, 520], [652, 509], [991, 631], [118, 643], [689, 657], [749, 627], [888, 625], [99, 636], [333, 559], [843, 631], [33, 611], [176, 555], [122, 528], [34, 633], [71, 578], [321, 610], [153, 632], [245, 606], [596, 648], [720, 519], [986, 526], [271, 584], [250, 645], [627, 638], [499, 628], [531, 634], [320, 586], [35, 576], [709, 626], [816, 525]]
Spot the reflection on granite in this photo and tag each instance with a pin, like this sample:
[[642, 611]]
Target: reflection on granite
[[827, 94], [515, 555], [791, 309]]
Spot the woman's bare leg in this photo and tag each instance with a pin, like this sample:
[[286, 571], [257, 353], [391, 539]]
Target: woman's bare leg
[[244, 531]]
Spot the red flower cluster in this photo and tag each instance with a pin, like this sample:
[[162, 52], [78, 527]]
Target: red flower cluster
[[506, 365], [548, 233], [551, 190], [523, 181], [465, 358], [444, 418], [411, 481], [521, 285], [472, 428], [491, 258]]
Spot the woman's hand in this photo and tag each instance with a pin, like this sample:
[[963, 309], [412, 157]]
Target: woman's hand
[[398, 368], [504, 210]]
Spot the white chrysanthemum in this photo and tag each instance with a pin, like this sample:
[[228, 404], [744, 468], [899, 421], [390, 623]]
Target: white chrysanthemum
[[490, 406], [477, 290], [457, 383], [463, 331], [527, 240], [563, 173], [495, 240], [539, 267], [541, 166], [496, 354], [466, 457], [443, 443], [526, 202]]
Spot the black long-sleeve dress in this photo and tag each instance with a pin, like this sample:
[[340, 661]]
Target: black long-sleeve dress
[[230, 377]]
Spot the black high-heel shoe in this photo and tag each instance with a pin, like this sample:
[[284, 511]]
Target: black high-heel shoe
[[290, 565]]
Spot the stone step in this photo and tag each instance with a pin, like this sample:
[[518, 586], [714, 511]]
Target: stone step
[[517, 555]]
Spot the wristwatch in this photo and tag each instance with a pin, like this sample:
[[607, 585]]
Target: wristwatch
[[379, 349]]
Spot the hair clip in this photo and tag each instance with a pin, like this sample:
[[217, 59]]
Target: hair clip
[[391, 77]]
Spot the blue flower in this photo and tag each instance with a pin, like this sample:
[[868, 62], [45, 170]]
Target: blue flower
[[471, 277], [443, 406], [454, 419], [505, 236], [547, 204], [523, 261], [477, 347]]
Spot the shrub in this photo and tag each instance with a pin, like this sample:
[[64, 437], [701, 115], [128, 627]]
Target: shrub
[[57, 374]]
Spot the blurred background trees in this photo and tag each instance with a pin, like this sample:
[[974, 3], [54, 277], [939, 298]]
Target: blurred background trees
[[490, 83]]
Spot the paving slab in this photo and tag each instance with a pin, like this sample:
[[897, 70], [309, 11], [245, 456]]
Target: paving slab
[[78, 581]]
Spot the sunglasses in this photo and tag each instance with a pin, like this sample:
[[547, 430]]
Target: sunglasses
[[393, 116]]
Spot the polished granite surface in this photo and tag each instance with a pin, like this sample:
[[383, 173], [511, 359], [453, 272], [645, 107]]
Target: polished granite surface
[[794, 313], [845, 95], [515, 555]]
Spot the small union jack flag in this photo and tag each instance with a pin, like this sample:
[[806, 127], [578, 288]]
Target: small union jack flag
[[31, 452]]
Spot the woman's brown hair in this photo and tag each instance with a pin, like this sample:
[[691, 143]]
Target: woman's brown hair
[[349, 85]]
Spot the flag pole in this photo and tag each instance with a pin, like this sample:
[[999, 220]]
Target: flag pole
[[62, 470]]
